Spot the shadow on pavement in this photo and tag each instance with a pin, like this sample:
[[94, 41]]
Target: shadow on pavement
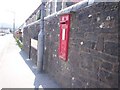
[[42, 80]]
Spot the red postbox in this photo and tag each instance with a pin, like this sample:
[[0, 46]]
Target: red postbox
[[64, 36]]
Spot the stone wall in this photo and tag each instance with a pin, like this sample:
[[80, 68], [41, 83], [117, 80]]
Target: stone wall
[[33, 55], [29, 32], [26, 40], [93, 48]]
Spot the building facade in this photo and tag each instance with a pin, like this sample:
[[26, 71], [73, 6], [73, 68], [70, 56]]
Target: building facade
[[34, 16], [51, 7]]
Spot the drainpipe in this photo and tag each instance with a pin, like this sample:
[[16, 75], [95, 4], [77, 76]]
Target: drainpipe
[[40, 51]]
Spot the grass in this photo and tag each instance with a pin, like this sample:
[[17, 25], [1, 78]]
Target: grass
[[19, 43]]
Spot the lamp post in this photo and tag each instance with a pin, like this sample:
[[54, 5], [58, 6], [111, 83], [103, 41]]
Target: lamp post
[[13, 21], [13, 24], [40, 51]]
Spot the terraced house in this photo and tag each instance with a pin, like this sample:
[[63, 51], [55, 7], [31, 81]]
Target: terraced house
[[81, 42]]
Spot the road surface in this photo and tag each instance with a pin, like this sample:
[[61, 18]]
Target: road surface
[[16, 70]]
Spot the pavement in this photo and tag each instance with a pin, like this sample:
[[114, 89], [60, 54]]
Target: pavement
[[17, 70]]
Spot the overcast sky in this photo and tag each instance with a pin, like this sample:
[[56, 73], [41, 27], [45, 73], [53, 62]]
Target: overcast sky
[[21, 8]]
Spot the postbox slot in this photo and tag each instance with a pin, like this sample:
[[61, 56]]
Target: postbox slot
[[63, 22]]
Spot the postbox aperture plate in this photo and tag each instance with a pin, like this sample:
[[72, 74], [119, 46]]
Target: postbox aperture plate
[[64, 36]]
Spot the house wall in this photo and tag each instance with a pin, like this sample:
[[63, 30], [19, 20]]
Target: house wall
[[51, 6]]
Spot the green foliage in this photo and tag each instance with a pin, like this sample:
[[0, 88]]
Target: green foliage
[[19, 43], [39, 16]]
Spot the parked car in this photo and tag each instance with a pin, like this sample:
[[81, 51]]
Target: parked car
[[2, 34]]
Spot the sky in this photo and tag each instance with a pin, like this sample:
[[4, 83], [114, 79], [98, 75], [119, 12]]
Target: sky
[[20, 9]]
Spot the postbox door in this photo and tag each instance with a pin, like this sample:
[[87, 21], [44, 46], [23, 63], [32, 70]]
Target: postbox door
[[64, 36]]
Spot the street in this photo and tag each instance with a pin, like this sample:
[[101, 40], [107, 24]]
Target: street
[[16, 70], [11, 73]]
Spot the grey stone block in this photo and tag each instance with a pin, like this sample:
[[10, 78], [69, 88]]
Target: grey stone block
[[111, 48]]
